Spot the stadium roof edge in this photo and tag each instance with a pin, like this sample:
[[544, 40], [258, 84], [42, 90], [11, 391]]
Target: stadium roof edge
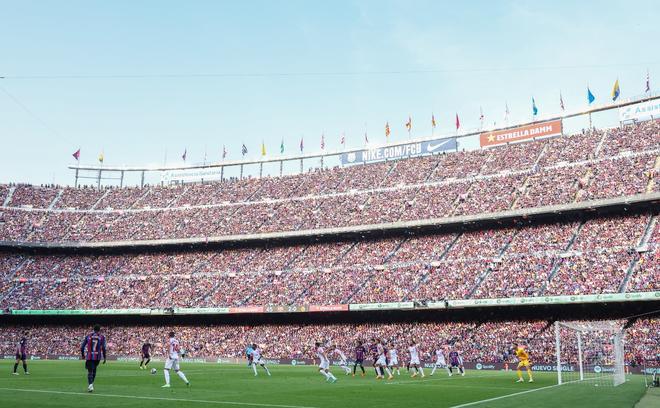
[[274, 159]]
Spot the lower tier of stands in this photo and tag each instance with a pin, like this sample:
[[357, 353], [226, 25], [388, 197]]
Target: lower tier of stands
[[478, 342]]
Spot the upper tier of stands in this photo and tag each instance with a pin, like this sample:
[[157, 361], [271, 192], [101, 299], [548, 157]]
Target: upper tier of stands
[[591, 165]]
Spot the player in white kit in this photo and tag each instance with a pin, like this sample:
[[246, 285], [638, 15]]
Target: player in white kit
[[324, 363], [381, 361], [257, 359], [440, 360], [343, 362], [172, 361], [414, 360], [393, 361]]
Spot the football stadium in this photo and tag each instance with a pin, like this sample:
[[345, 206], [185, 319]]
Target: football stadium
[[504, 253]]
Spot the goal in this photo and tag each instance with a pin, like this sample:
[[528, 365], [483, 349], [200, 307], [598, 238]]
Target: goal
[[590, 352]]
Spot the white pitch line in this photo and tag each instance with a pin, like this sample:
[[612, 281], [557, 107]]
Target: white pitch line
[[111, 374], [250, 404], [469, 404], [427, 380]]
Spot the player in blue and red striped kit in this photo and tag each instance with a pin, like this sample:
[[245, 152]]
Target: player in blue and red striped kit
[[146, 355], [456, 361], [360, 352], [93, 351], [21, 355]]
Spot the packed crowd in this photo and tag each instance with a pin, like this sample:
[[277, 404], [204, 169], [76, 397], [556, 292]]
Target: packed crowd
[[601, 255], [592, 165], [478, 342]]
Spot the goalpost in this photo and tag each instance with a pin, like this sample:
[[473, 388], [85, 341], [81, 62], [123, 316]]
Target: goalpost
[[590, 352]]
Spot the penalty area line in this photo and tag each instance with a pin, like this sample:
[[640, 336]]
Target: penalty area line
[[247, 404], [469, 404]]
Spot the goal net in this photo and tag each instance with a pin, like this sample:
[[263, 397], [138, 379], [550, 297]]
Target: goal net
[[591, 352]]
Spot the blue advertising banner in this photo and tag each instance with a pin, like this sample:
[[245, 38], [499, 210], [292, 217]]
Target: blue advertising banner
[[400, 151]]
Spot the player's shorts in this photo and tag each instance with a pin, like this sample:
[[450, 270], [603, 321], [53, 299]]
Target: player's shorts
[[324, 365], [359, 361], [20, 356], [382, 361], [343, 363], [523, 363], [92, 364], [258, 361], [146, 355], [394, 362], [441, 363], [172, 363], [414, 361]]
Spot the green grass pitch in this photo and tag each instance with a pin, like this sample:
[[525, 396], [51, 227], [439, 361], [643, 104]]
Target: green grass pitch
[[121, 384]]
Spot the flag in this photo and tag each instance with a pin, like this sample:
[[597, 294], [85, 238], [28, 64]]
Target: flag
[[648, 82], [184, 155], [535, 110], [366, 138], [302, 146], [458, 122], [322, 141], [506, 111], [244, 150], [616, 91], [76, 155], [343, 139], [481, 115], [263, 148], [387, 130], [409, 124], [590, 96], [282, 147], [101, 157], [433, 121], [561, 102], [224, 151]]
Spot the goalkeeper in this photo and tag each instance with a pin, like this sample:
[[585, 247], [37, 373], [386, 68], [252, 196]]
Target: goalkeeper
[[523, 361]]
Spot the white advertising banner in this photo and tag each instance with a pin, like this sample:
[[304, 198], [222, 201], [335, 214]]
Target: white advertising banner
[[191, 176], [639, 111]]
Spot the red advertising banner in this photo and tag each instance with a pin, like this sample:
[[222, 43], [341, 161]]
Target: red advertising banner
[[247, 309], [328, 308], [289, 309], [550, 128]]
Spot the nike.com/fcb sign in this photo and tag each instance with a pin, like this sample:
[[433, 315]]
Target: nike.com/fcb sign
[[550, 128], [400, 151]]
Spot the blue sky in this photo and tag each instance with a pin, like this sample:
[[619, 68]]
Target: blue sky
[[128, 77]]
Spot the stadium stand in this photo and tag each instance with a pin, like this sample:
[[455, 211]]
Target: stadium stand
[[592, 165], [585, 255], [589, 257], [479, 342]]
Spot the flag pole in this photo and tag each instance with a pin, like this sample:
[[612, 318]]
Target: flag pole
[[98, 182], [77, 167]]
